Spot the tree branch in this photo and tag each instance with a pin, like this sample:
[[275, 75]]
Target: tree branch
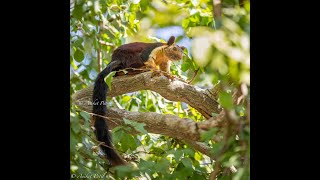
[[217, 8], [200, 99], [165, 124], [199, 146], [217, 12], [183, 129]]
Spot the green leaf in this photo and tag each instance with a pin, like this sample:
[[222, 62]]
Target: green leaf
[[197, 156], [137, 126], [205, 20], [187, 162], [216, 148], [162, 165], [75, 124], [85, 115], [117, 134], [78, 42], [125, 99], [144, 165], [144, 5], [179, 38], [87, 45], [185, 66], [157, 151], [207, 135], [197, 176], [181, 172], [128, 142], [109, 78], [118, 128], [73, 142], [177, 155], [125, 171], [147, 139], [78, 55], [75, 127], [185, 23], [77, 12], [189, 152], [75, 67], [225, 99]]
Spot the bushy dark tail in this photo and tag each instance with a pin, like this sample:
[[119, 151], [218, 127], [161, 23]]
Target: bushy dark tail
[[100, 107]]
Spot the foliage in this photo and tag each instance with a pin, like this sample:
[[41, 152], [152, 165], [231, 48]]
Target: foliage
[[221, 53]]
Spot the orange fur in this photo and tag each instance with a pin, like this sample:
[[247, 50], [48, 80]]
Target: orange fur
[[161, 57]]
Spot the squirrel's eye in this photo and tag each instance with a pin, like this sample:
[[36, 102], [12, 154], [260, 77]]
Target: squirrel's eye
[[174, 48]]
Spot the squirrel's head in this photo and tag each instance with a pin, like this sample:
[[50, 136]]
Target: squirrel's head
[[173, 51]]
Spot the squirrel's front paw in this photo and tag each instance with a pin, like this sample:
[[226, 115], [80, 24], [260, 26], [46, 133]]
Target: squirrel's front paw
[[155, 73], [170, 76]]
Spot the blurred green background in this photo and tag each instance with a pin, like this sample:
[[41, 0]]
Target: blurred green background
[[219, 46]]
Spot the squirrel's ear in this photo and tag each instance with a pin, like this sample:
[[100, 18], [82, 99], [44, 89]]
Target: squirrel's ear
[[182, 47], [171, 40]]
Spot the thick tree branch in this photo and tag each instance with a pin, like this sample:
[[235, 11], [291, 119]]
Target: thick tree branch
[[165, 124], [198, 98], [183, 129]]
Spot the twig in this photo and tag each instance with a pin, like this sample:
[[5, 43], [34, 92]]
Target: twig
[[166, 74], [106, 43], [217, 8], [194, 76], [78, 76], [99, 55], [105, 117], [117, 103], [96, 141], [217, 12], [214, 174]]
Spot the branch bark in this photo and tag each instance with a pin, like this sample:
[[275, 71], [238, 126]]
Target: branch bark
[[217, 12], [217, 8], [183, 129], [200, 99]]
